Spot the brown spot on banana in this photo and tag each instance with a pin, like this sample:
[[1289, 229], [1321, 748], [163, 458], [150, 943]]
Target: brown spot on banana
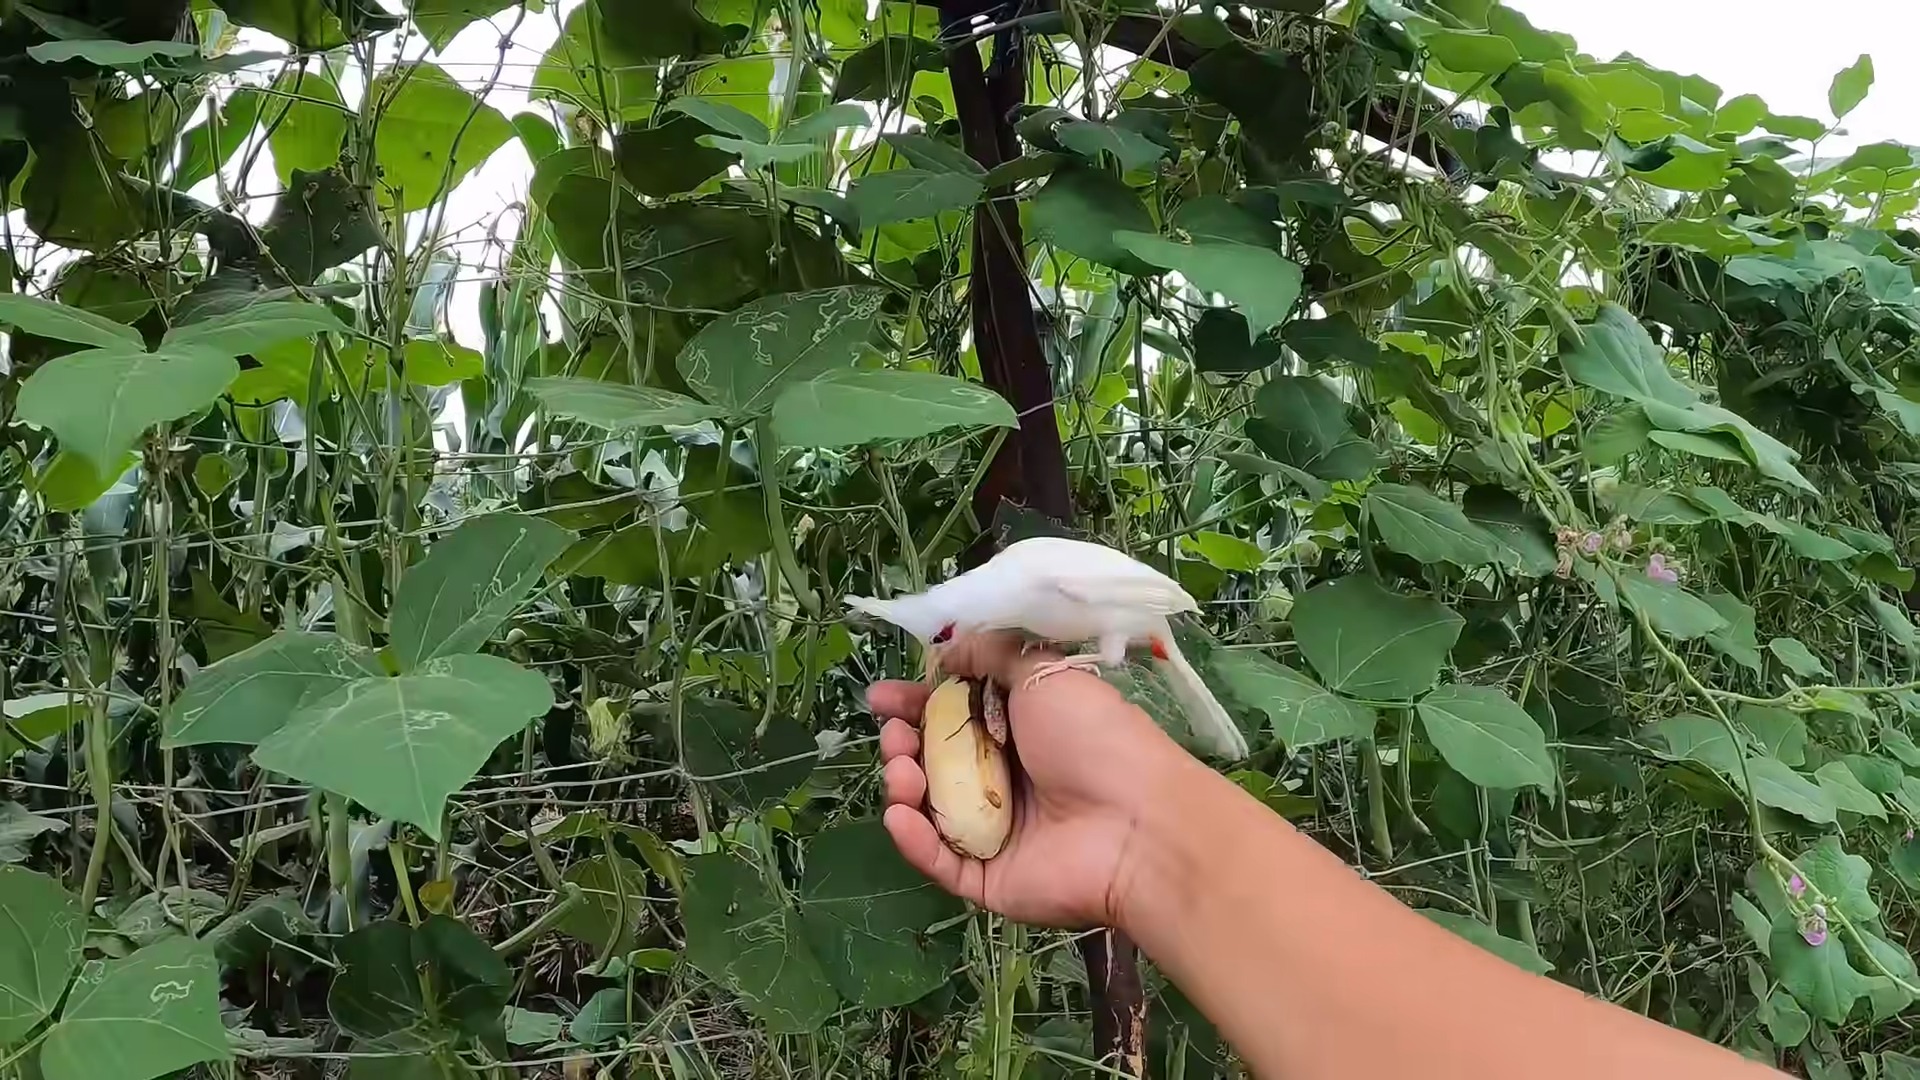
[[969, 784]]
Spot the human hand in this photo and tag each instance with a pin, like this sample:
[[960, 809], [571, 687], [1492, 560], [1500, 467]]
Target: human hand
[[1094, 769]]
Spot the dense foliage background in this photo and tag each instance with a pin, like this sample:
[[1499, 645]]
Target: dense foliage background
[[420, 640]]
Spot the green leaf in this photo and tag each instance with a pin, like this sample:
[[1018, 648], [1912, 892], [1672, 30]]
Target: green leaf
[[1775, 784], [884, 198], [1518, 953], [1776, 733], [604, 1018], [885, 69], [1470, 51], [39, 949], [100, 402], [1846, 792], [249, 695], [1301, 421], [580, 72], [256, 327], [1850, 86], [659, 29], [401, 746], [1371, 643], [1671, 609], [45, 318], [1819, 977], [1419, 524], [668, 158], [868, 915], [605, 922], [619, 407], [1256, 280], [526, 1027], [1842, 877], [1616, 356], [1082, 211], [743, 360], [722, 117], [19, 827], [1224, 345], [1699, 739], [403, 988], [153, 1013], [1798, 658], [1230, 553], [1487, 738], [308, 122], [470, 582], [113, 54], [431, 133], [851, 408], [1786, 1021], [1736, 641], [1302, 713], [722, 749], [441, 20], [742, 936]]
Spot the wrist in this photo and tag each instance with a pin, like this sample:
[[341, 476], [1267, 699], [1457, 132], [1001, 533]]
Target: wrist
[[1179, 840]]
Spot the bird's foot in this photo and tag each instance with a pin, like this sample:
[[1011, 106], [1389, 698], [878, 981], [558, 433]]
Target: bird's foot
[[1088, 662], [993, 711]]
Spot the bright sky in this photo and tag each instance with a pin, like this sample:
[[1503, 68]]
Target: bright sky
[[1787, 51]]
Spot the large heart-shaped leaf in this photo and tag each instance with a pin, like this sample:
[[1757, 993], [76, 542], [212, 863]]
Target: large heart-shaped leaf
[[883, 198], [260, 326], [251, 694], [1421, 525], [1302, 712], [39, 949], [1617, 356], [101, 401], [1487, 737], [153, 1013], [867, 915], [743, 360], [723, 746], [1372, 643], [1300, 420], [617, 407], [742, 935], [401, 746], [455, 598], [63, 323], [1257, 280], [853, 407], [431, 133]]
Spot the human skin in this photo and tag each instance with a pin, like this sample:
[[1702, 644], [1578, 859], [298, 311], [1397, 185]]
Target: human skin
[[1306, 969]]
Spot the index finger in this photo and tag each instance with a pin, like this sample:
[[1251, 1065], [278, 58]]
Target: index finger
[[895, 698]]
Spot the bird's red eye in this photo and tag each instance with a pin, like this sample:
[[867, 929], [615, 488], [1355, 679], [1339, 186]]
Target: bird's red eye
[[945, 635]]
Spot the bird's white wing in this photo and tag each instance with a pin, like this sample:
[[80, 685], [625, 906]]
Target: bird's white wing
[[1097, 575]]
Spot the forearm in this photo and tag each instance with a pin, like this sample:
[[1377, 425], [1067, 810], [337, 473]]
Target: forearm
[[1310, 971]]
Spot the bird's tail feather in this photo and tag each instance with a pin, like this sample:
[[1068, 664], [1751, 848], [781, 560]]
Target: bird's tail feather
[[1209, 720], [871, 605]]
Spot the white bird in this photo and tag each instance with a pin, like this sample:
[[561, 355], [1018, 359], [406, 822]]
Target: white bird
[[1070, 592]]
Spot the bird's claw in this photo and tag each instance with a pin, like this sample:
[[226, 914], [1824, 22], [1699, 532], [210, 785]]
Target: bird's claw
[[1055, 667]]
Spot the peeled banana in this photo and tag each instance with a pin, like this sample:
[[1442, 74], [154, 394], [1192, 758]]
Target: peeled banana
[[969, 787]]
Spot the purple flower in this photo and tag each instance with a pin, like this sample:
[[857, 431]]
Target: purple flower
[[1658, 570], [1796, 886], [1813, 926], [1591, 542]]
